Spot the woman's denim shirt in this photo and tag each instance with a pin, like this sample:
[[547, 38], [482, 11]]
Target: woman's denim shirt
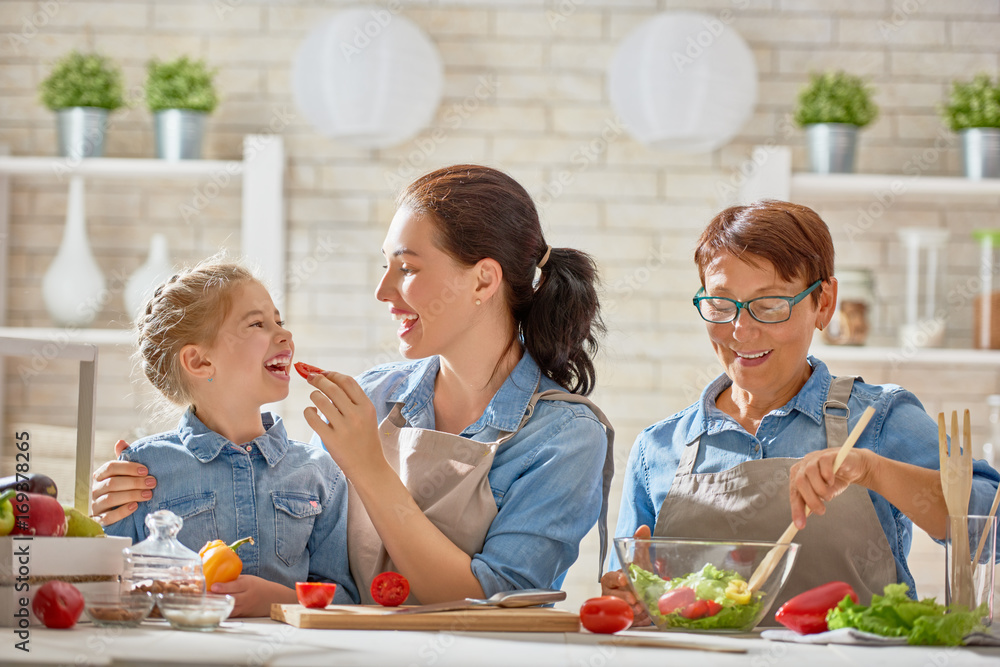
[[900, 430], [546, 480], [289, 496]]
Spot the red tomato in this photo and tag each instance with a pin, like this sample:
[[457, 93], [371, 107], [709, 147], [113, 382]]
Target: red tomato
[[679, 598], [695, 610], [305, 370], [390, 589], [314, 594], [57, 604], [713, 607], [606, 614]]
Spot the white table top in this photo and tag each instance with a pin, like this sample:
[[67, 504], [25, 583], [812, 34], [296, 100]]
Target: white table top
[[264, 642]]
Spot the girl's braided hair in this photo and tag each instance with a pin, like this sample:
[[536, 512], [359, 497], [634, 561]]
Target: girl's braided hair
[[187, 309]]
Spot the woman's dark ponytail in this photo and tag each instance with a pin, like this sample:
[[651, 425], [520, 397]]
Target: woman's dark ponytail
[[482, 212], [563, 322]]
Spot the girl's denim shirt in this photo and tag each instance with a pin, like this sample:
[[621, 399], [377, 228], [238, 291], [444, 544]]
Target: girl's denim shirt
[[289, 496], [901, 430], [546, 480]]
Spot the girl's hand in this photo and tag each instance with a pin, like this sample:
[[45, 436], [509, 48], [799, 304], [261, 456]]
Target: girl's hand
[[350, 432], [118, 488], [254, 596], [615, 583], [812, 484]]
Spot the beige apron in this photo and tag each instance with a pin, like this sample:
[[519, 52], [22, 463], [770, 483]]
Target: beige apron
[[447, 475], [750, 502]]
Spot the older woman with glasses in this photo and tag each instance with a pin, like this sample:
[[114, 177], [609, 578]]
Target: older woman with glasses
[[757, 448]]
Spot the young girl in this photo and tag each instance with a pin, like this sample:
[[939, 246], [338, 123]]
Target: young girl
[[211, 339]]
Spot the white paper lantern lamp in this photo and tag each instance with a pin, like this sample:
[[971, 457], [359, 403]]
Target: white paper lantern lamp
[[369, 77], [683, 82]]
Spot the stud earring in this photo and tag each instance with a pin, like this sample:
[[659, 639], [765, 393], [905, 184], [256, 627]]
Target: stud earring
[[478, 302], [209, 379]]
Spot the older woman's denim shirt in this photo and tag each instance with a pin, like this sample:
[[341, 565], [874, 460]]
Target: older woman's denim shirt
[[900, 430], [546, 480], [289, 496]]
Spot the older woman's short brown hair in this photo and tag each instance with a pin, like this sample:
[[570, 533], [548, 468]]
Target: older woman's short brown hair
[[791, 237]]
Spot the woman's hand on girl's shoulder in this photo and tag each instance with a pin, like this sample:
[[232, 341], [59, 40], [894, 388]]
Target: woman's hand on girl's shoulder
[[350, 430], [118, 487]]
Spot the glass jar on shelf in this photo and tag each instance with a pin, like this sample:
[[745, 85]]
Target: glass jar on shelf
[[986, 307], [160, 563], [851, 321], [924, 324]]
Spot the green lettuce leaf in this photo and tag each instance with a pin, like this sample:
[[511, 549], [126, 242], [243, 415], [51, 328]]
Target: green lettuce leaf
[[894, 614]]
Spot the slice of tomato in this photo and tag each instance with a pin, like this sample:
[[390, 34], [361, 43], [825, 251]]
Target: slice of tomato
[[305, 370], [314, 594], [390, 589], [606, 614], [695, 610], [675, 600], [713, 607]]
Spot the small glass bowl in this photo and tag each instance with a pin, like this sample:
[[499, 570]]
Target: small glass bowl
[[118, 610], [201, 613]]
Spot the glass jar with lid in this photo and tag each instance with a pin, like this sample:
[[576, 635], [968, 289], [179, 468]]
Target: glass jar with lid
[[855, 301], [986, 308], [160, 563]]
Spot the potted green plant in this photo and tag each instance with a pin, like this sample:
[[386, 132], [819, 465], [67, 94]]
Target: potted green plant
[[973, 110], [82, 89], [181, 94], [832, 106]]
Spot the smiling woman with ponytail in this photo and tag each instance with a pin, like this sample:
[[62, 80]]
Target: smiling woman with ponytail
[[477, 464]]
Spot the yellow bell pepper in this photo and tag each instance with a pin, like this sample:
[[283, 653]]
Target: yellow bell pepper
[[219, 561], [738, 592]]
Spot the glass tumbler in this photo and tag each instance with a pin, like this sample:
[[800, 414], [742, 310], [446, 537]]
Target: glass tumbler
[[970, 552]]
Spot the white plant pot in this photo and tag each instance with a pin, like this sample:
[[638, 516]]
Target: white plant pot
[[73, 288]]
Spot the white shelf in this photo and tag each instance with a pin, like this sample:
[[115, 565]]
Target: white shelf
[[62, 336], [774, 179], [927, 355], [831, 185], [118, 167]]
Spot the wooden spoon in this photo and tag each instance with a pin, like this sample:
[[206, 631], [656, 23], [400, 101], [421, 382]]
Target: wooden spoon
[[986, 529], [773, 556]]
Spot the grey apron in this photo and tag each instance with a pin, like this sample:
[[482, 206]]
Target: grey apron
[[448, 477], [750, 502]]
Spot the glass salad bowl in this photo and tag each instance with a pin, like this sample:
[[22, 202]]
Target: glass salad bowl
[[701, 585]]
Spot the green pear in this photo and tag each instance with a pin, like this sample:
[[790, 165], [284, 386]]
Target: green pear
[[81, 525]]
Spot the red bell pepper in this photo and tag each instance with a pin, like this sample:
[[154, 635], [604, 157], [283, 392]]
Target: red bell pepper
[[806, 612]]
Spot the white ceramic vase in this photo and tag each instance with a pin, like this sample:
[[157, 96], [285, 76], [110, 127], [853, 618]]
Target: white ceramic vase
[[143, 282], [73, 287]]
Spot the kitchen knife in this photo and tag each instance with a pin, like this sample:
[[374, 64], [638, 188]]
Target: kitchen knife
[[528, 597]]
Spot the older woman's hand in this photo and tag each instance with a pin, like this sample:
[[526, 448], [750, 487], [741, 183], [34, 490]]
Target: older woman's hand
[[615, 583], [118, 488], [812, 483]]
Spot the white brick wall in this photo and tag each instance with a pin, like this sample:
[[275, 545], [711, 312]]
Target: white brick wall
[[548, 59]]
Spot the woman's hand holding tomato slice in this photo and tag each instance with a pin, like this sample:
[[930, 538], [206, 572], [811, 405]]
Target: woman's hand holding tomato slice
[[390, 589], [350, 429]]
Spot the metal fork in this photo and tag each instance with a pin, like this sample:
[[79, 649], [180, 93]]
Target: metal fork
[[956, 485]]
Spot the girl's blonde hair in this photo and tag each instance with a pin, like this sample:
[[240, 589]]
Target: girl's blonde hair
[[187, 309]]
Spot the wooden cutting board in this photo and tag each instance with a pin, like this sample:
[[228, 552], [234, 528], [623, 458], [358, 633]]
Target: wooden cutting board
[[374, 617]]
